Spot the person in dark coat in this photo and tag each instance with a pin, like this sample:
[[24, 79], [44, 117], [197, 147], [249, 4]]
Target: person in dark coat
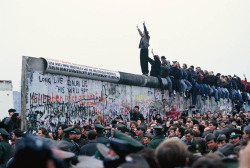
[[155, 65], [143, 45], [5, 148], [79, 140], [69, 137], [100, 136], [90, 148], [7, 123], [135, 115], [158, 137]]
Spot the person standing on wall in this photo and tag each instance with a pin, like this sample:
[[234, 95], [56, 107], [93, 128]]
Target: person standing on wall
[[143, 45]]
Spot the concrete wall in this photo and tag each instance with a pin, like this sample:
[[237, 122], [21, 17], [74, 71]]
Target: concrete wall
[[6, 98], [54, 98]]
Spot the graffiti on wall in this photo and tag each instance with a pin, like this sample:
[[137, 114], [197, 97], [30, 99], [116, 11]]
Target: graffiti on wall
[[55, 99]]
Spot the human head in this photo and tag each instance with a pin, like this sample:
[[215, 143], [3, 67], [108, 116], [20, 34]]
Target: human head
[[171, 153], [163, 58], [11, 112], [42, 132], [189, 134], [211, 141], [17, 133], [184, 66], [213, 125], [174, 107], [147, 138], [60, 130], [140, 130], [92, 135], [246, 132], [136, 109]]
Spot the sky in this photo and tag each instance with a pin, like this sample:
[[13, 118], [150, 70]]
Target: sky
[[212, 34]]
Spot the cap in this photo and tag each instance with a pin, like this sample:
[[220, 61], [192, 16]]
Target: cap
[[99, 126], [210, 137], [11, 110], [163, 57], [134, 160], [221, 137], [148, 135], [121, 127], [89, 162], [86, 128], [247, 129], [78, 131], [132, 142], [102, 149], [3, 132], [63, 154], [140, 127], [156, 127], [236, 133], [69, 130], [226, 149]]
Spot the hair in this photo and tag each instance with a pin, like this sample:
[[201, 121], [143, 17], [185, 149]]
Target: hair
[[182, 131], [44, 131], [214, 123], [137, 107], [18, 132], [133, 122], [189, 131], [92, 135], [185, 65], [208, 162], [64, 126], [149, 155], [171, 153]]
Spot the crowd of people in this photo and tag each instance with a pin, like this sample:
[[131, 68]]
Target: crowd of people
[[173, 139], [170, 140], [189, 80]]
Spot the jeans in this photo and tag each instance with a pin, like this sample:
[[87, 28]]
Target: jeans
[[207, 89], [215, 92], [188, 84], [182, 85]]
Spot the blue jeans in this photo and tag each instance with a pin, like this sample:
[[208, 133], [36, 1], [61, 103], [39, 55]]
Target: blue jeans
[[195, 91], [182, 85], [202, 89], [235, 94], [215, 92], [207, 89], [188, 84]]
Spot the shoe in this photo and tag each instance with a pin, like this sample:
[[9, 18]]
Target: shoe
[[181, 94], [184, 94]]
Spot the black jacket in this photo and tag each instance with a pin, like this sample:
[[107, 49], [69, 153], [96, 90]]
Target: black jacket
[[136, 116], [155, 66]]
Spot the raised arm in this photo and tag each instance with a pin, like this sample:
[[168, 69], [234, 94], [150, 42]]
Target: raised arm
[[139, 30], [145, 30]]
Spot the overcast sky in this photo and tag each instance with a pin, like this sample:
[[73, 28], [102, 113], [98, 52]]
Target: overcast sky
[[213, 34]]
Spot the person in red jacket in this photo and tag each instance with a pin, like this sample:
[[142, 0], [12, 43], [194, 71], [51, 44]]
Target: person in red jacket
[[247, 98], [174, 113]]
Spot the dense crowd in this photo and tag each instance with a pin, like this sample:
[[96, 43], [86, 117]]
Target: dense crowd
[[189, 80], [175, 139], [170, 140]]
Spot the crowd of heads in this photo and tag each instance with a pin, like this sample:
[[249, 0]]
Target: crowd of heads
[[165, 140]]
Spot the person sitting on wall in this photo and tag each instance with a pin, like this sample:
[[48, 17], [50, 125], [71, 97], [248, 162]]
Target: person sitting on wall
[[135, 115]]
